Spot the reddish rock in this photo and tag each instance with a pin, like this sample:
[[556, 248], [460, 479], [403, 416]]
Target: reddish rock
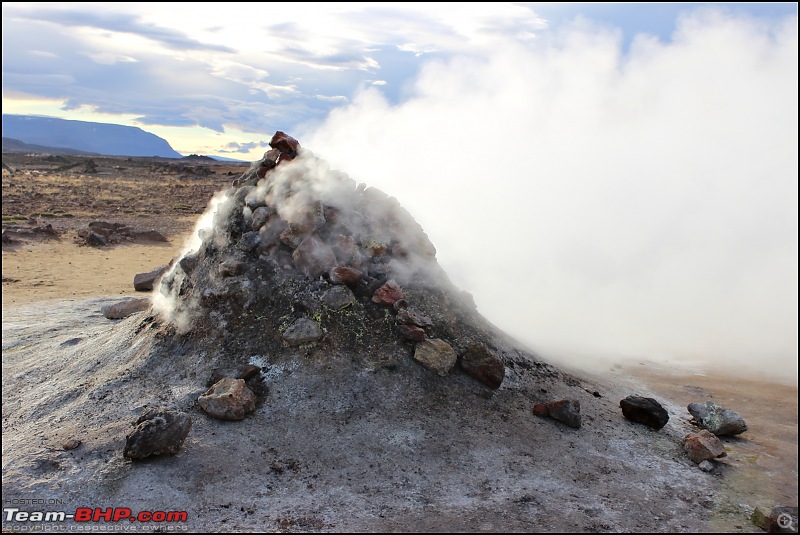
[[228, 399], [483, 365], [703, 446], [313, 258], [71, 444], [436, 355], [284, 143], [388, 294], [411, 332], [144, 282], [345, 275], [567, 411]]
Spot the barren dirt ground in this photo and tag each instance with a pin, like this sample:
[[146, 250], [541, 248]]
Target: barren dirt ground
[[57, 280]]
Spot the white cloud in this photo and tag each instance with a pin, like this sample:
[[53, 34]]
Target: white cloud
[[601, 205]]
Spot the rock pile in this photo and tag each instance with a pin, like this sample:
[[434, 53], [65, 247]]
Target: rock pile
[[297, 255]]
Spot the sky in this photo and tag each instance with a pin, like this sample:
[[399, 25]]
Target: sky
[[610, 181]]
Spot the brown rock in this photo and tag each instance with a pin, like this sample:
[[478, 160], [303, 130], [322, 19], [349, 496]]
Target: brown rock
[[123, 309], [388, 294], [346, 251], [228, 399], [345, 275], [144, 282], [483, 365], [71, 444], [703, 446], [436, 355], [313, 258], [412, 332], [284, 143], [157, 432]]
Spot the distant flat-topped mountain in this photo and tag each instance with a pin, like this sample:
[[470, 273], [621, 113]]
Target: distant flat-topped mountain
[[99, 138]]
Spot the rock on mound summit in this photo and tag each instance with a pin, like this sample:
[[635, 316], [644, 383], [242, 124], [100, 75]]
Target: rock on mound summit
[[297, 255]]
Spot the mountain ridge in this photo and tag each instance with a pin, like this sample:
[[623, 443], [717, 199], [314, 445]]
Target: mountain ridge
[[101, 138]]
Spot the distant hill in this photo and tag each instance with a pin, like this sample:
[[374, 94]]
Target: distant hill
[[99, 138], [15, 145]]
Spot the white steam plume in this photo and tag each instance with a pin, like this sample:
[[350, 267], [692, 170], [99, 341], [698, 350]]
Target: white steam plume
[[606, 205]]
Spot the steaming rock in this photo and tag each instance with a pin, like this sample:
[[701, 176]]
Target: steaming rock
[[313, 257], [703, 446], [249, 241], [718, 420], [143, 282], [388, 294], [123, 309], [486, 367], [228, 399], [436, 355], [645, 411], [345, 275], [285, 143], [302, 331], [157, 432], [260, 216], [567, 411]]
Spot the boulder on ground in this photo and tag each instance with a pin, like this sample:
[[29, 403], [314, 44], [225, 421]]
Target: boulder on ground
[[157, 432], [228, 399], [645, 411], [718, 420]]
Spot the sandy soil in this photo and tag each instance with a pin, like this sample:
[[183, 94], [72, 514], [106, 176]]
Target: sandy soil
[[473, 471]]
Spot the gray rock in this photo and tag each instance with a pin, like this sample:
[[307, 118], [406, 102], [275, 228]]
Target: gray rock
[[232, 268], [123, 309], [645, 411], [228, 399], [410, 316], [484, 365], [96, 240], [249, 241], [260, 216], [157, 432], [567, 411], [718, 420], [706, 466], [338, 297], [144, 282], [436, 355], [302, 331], [146, 236], [703, 446]]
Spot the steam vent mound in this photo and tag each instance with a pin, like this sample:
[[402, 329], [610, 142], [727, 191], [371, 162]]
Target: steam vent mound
[[308, 366], [298, 257]]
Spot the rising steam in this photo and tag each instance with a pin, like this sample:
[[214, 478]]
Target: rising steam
[[606, 205]]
